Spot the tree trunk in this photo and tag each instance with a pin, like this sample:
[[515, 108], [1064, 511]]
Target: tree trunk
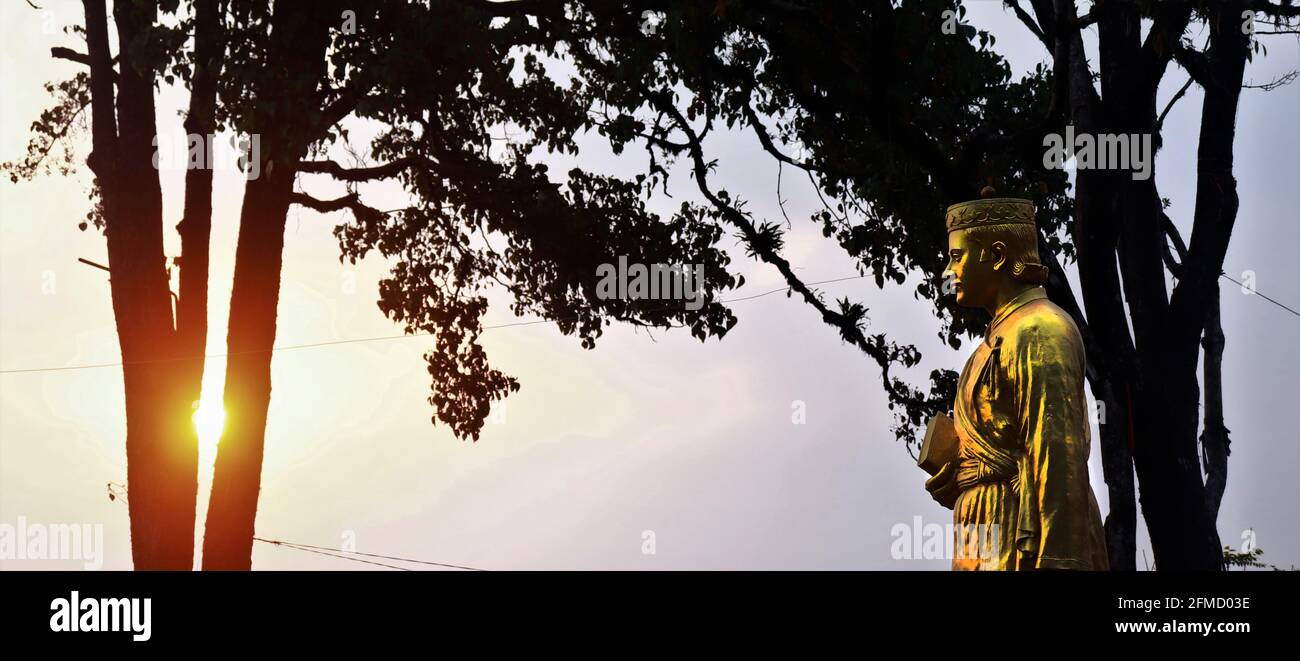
[[1214, 435], [1118, 217], [1164, 393], [298, 44], [1167, 328], [228, 533], [1196, 302], [162, 457], [195, 227], [1117, 467]]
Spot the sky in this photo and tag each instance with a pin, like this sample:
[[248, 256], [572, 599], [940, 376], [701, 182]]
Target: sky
[[652, 451]]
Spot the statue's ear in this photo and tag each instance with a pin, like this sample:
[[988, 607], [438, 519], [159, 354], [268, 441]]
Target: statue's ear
[[999, 252]]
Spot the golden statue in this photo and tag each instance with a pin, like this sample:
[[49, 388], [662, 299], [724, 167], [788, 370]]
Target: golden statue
[[1015, 467]]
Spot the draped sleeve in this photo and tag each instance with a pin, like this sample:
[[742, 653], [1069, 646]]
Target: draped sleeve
[[1056, 525]]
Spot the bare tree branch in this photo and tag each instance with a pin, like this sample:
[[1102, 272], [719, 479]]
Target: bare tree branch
[[1175, 265], [1194, 62], [1170, 106], [1029, 22], [385, 171], [61, 53], [1087, 19], [1284, 79], [761, 131], [345, 103], [350, 202]]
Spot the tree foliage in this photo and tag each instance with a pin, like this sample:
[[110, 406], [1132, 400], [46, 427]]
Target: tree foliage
[[468, 118]]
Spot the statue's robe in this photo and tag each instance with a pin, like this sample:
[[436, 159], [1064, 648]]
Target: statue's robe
[[1022, 427]]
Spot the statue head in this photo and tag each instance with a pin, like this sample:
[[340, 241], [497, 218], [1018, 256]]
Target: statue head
[[992, 248]]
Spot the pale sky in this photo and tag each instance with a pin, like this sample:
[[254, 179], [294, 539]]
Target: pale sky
[[692, 441]]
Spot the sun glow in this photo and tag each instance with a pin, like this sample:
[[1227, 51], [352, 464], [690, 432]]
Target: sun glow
[[209, 421]]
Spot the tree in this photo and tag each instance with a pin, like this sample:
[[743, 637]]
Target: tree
[[897, 118], [892, 117], [274, 94], [440, 99], [1122, 234], [162, 353], [289, 77]]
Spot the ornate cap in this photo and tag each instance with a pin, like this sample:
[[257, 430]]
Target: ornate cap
[[989, 210]]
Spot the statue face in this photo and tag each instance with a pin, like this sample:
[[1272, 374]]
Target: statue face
[[973, 269]]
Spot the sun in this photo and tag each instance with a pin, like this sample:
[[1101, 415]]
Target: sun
[[209, 421]]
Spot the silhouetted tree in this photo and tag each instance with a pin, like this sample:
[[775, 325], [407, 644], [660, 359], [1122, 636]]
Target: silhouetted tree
[[897, 118], [890, 116], [440, 77], [162, 353]]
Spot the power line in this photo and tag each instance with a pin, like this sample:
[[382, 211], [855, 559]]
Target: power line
[[779, 289], [383, 338], [1256, 291], [356, 340], [324, 550], [336, 553]]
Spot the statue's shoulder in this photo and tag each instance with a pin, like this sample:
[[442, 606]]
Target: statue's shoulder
[[1042, 321]]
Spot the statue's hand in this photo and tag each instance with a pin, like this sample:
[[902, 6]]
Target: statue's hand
[[943, 486]]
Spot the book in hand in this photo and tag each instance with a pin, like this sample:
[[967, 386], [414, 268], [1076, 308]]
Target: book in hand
[[940, 444]]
